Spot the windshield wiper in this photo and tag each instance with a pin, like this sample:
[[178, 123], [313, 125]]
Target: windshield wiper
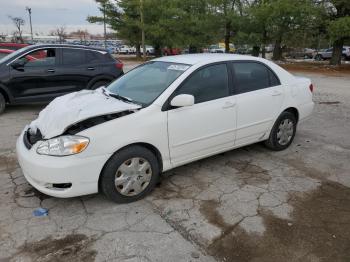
[[124, 98]]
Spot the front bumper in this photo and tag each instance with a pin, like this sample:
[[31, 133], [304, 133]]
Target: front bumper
[[78, 174]]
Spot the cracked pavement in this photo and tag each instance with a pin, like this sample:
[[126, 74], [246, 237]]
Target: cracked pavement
[[248, 204]]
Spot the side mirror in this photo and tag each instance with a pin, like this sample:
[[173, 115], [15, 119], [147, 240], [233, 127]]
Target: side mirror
[[18, 65], [182, 100]]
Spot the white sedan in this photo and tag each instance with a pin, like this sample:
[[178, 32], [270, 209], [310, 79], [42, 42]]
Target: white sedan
[[163, 114]]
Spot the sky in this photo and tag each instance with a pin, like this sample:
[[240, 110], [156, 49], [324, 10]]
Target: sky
[[49, 14]]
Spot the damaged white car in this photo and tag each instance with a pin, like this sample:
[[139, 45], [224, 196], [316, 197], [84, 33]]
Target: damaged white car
[[163, 114]]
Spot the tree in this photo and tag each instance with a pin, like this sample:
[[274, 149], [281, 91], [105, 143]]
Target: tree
[[196, 24], [123, 16], [259, 25], [18, 22], [227, 13], [339, 27], [61, 33]]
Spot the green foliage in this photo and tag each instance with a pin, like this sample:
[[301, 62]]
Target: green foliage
[[199, 23], [340, 28]]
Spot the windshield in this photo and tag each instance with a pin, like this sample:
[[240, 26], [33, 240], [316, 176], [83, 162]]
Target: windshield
[[146, 82]]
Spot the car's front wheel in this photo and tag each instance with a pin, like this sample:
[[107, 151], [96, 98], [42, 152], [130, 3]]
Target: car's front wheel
[[283, 132], [130, 174], [2, 103]]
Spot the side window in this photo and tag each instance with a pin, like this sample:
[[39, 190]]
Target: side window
[[40, 58], [73, 56], [251, 76], [93, 57], [207, 84]]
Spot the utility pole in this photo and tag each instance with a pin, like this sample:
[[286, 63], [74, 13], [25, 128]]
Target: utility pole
[[142, 31], [30, 21], [104, 23]]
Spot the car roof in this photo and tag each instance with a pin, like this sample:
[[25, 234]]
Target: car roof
[[65, 45], [192, 59]]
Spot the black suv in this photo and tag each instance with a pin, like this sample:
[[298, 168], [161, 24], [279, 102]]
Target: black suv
[[39, 73]]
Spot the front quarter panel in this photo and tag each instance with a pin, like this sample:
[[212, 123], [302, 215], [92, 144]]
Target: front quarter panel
[[148, 125]]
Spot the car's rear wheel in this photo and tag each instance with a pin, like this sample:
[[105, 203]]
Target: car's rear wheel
[[283, 132], [130, 174], [2, 103], [318, 57], [99, 84]]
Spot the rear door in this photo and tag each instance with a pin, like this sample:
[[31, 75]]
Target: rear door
[[259, 98], [74, 72]]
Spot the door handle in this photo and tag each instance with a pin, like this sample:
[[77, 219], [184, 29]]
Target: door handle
[[91, 68], [228, 105], [276, 93], [51, 70]]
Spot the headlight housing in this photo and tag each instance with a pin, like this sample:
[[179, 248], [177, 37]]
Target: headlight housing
[[63, 146]]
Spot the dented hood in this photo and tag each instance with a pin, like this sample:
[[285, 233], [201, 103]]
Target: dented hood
[[75, 107]]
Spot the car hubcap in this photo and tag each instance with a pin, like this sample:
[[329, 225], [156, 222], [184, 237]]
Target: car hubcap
[[133, 176], [285, 132]]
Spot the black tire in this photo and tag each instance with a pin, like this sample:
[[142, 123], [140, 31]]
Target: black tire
[[2, 103], [99, 84], [318, 57], [109, 172], [273, 142]]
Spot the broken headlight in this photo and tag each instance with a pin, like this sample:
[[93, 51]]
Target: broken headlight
[[63, 146]]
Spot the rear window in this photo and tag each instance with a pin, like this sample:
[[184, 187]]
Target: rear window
[[251, 76], [95, 57], [73, 56]]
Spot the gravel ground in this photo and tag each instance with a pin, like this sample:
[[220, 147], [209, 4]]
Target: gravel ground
[[248, 204]]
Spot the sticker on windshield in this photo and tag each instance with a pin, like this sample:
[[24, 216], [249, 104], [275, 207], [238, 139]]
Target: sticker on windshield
[[178, 67]]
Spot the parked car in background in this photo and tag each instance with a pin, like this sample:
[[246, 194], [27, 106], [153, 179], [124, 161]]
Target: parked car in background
[[220, 48], [327, 54], [5, 52], [216, 49], [163, 114], [12, 46], [305, 53], [149, 50], [171, 51], [242, 51], [125, 49], [63, 69]]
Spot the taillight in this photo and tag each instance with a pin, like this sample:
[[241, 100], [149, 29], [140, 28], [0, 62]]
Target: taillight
[[311, 87], [119, 65]]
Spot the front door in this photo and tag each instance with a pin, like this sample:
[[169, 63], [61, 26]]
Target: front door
[[36, 77], [209, 125]]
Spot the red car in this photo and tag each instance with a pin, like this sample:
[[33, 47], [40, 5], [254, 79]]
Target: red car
[[171, 51], [16, 46], [12, 46], [5, 52]]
